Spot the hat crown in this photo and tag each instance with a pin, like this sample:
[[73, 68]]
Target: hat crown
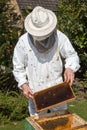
[[39, 17], [40, 22]]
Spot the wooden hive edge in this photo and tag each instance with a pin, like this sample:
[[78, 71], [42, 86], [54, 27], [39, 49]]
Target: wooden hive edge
[[32, 121], [83, 123], [35, 123], [57, 104]]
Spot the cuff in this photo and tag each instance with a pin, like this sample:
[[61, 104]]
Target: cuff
[[21, 83], [73, 67]]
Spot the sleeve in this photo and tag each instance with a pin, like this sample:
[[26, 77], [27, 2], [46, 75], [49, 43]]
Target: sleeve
[[19, 68], [69, 54]]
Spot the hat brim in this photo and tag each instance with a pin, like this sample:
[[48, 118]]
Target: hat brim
[[42, 31]]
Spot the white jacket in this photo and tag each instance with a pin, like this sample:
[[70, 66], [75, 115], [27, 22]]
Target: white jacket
[[42, 70]]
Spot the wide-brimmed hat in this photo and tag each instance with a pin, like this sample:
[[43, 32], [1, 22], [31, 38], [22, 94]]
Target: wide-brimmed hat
[[40, 22]]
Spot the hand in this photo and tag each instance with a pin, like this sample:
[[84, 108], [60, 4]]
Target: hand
[[27, 91], [69, 76]]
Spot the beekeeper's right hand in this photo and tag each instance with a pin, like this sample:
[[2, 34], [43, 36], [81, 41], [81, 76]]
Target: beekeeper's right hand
[[27, 91]]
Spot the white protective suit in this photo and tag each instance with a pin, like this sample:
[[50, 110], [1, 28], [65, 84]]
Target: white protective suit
[[42, 70]]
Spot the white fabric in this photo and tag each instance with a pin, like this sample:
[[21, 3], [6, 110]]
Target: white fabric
[[40, 22], [43, 69]]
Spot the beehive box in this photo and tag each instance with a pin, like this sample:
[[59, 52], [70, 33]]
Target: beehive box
[[61, 120], [53, 96]]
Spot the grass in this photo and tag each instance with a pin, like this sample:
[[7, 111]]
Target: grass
[[78, 107], [19, 125]]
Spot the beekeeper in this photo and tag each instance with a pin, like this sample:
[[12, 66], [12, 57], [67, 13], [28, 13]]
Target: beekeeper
[[38, 54]]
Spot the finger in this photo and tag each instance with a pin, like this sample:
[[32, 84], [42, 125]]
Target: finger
[[70, 83], [31, 92], [71, 78], [66, 77], [26, 94], [30, 96]]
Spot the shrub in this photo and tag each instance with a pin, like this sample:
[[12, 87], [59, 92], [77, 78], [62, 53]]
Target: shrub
[[72, 20], [13, 106]]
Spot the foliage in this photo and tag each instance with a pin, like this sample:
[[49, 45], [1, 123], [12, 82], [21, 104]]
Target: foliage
[[7, 82], [75, 89], [13, 106], [8, 32], [72, 20]]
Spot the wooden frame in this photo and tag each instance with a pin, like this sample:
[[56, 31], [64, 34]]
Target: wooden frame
[[53, 96], [74, 122]]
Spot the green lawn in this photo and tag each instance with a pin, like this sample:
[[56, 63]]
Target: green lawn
[[13, 126], [79, 107]]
